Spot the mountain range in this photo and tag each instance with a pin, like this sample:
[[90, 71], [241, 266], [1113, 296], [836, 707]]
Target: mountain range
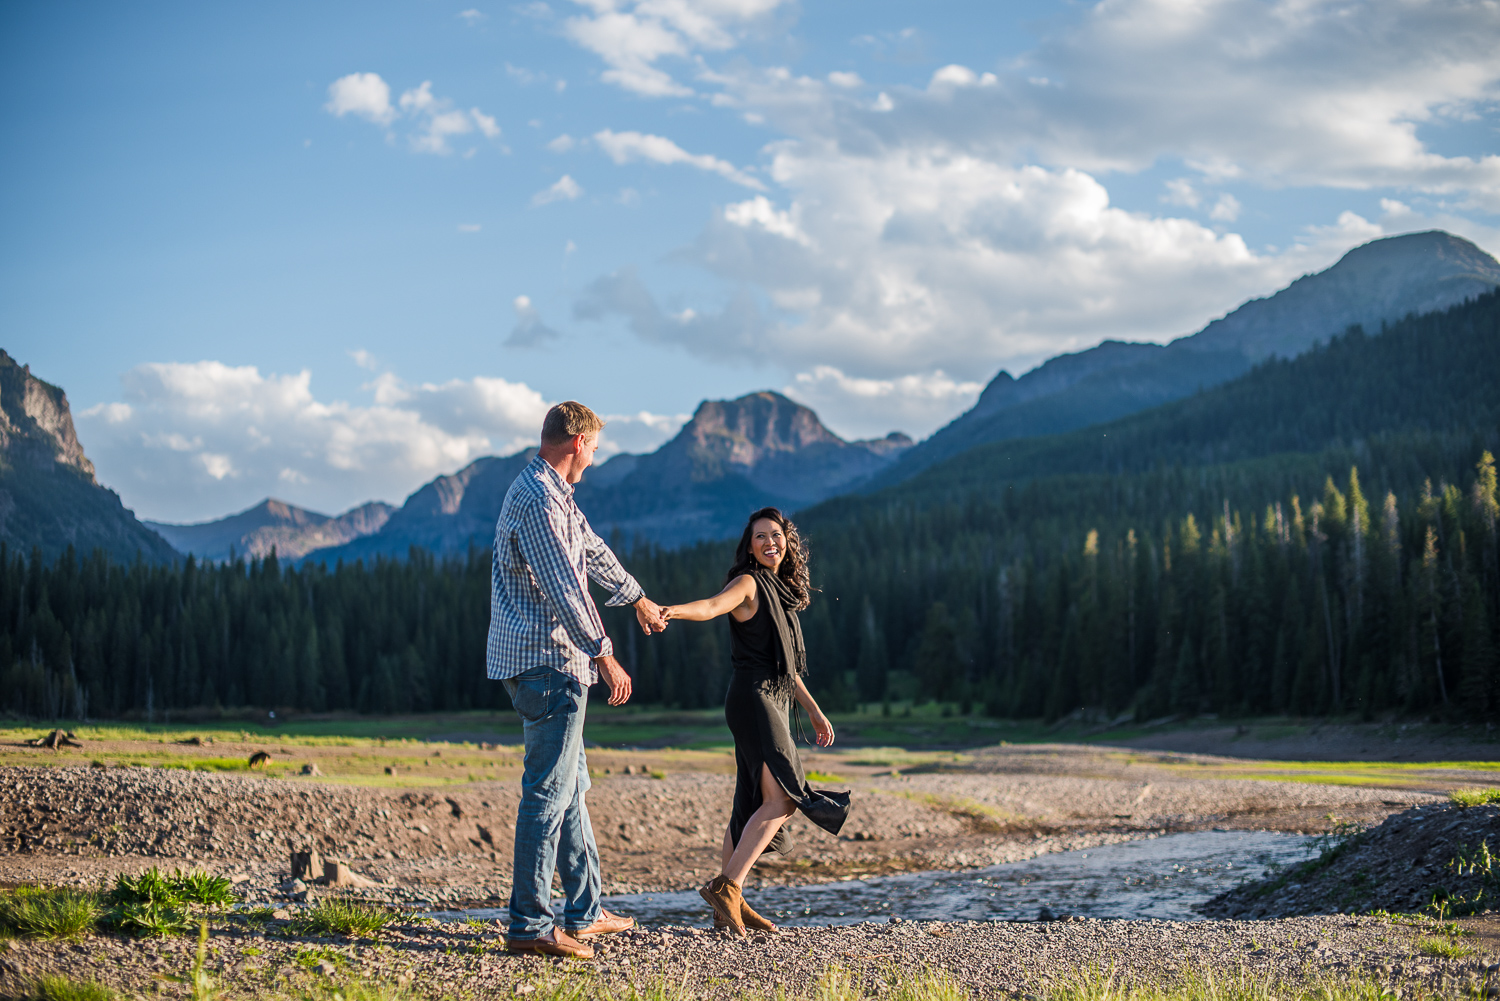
[[730, 458], [733, 455], [1372, 285], [291, 531]]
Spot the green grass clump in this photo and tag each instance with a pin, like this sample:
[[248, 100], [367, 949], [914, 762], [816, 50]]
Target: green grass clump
[[1202, 984], [49, 912], [824, 777], [1443, 948], [1474, 796], [343, 917], [54, 987]]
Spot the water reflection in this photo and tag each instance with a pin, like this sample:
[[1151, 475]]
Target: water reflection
[[1162, 878]]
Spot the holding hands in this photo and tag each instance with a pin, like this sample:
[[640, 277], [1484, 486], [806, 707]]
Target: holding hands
[[651, 616]]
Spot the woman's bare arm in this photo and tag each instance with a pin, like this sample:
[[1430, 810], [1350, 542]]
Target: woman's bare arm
[[821, 726], [738, 593]]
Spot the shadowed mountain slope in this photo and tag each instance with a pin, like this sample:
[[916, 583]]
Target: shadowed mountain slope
[[1377, 283], [49, 498], [447, 515], [272, 524], [1432, 374]]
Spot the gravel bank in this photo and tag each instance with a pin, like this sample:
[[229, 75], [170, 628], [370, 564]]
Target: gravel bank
[[1400, 865], [992, 960]]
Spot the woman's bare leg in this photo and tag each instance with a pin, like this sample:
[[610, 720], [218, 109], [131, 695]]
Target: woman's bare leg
[[775, 807]]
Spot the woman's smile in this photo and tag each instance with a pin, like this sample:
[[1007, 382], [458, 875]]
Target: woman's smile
[[768, 543]]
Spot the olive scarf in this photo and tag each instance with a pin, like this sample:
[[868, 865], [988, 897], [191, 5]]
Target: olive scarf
[[782, 602]]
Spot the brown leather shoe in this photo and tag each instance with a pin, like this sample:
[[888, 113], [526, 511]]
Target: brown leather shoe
[[751, 919], [723, 895], [555, 943], [607, 924]]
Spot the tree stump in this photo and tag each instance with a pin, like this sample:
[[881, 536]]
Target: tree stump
[[56, 739]]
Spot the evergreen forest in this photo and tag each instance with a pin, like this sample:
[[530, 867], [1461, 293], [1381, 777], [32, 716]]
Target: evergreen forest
[[1319, 536]]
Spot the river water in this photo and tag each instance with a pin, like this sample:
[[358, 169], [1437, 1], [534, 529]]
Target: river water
[[1164, 878]]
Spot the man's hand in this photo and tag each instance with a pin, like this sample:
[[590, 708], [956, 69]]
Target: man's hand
[[651, 616], [615, 677]]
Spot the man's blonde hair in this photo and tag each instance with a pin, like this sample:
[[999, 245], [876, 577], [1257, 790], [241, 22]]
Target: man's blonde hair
[[568, 419]]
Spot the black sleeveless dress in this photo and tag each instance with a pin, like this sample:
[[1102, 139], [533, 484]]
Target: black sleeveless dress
[[757, 708]]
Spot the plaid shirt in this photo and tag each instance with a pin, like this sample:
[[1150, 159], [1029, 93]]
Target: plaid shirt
[[541, 612]]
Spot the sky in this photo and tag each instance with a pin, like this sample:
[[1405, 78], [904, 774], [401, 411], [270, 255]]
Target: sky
[[326, 252]]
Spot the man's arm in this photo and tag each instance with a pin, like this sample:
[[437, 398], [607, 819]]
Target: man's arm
[[605, 570], [539, 533], [616, 677]]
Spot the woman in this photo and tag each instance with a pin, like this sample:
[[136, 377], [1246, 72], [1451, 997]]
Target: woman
[[767, 586]]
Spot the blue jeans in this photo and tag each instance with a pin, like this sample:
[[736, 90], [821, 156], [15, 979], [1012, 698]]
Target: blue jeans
[[552, 825]]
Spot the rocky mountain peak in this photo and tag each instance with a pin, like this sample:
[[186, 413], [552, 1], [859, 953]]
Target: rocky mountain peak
[[745, 431], [36, 426]]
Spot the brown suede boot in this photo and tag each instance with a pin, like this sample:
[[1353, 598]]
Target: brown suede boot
[[751, 919], [723, 895]]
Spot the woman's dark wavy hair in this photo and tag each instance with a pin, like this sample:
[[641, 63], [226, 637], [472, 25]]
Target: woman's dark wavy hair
[[794, 565]]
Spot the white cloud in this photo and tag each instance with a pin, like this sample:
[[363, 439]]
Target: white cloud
[[562, 143], [915, 260], [433, 121], [966, 224], [848, 81], [1226, 209], [954, 75], [363, 94], [113, 413], [472, 16], [486, 123], [868, 408], [565, 189], [632, 36], [469, 227], [625, 147], [1180, 191], [529, 331], [363, 358], [1288, 92], [758, 212], [198, 440], [638, 432]]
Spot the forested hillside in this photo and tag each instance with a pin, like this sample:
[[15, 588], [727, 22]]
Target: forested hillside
[[1319, 536]]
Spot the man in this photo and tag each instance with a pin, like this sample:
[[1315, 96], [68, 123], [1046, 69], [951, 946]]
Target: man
[[547, 645]]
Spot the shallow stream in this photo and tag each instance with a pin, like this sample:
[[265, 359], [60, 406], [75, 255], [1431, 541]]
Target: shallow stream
[[1164, 877]]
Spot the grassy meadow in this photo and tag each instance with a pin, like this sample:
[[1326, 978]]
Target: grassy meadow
[[456, 748]]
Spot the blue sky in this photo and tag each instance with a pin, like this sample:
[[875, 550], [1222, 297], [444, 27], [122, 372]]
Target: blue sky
[[326, 252]]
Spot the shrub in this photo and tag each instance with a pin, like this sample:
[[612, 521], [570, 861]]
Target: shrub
[[1474, 796], [201, 888]]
